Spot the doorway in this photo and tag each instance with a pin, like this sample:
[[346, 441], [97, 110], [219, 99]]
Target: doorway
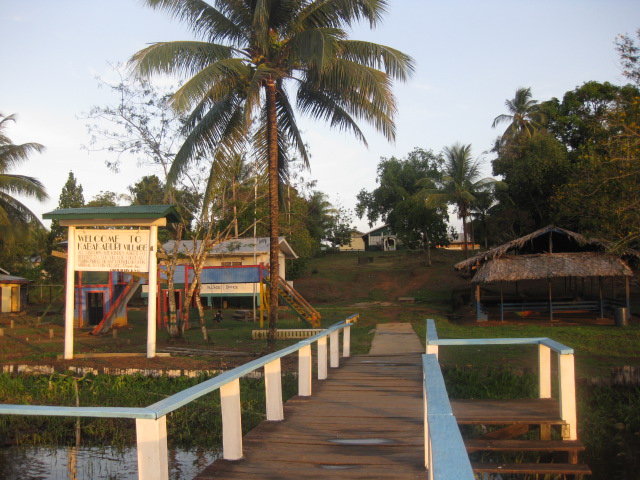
[[95, 307]]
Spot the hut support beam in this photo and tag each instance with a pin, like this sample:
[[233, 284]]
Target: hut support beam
[[600, 293], [628, 301], [550, 301]]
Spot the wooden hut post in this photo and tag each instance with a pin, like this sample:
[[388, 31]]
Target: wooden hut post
[[550, 301], [601, 303], [628, 301], [501, 302]]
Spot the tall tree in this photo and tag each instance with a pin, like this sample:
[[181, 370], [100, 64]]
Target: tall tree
[[629, 52], [15, 217], [265, 45], [460, 184], [71, 196], [396, 200], [523, 117]]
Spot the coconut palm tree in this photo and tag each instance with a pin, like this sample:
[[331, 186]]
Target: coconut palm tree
[[460, 184], [524, 117], [251, 52], [15, 216]]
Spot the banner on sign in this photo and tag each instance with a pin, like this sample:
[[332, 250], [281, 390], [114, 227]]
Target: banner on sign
[[107, 250]]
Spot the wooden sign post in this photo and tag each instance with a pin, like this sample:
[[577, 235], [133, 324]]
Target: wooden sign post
[[133, 249]]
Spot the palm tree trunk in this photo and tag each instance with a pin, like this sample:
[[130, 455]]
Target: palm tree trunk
[[272, 132]]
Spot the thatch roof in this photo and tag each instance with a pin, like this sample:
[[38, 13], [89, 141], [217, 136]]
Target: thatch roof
[[510, 268], [549, 239]]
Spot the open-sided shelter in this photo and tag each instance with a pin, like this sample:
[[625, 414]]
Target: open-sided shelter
[[550, 270]]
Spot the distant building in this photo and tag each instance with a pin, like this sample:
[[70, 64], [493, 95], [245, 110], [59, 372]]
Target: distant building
[[381, 238], [356, 243], [13, 292]]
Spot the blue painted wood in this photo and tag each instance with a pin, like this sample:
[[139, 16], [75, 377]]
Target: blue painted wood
[[437, 397], [432, 333], [450, 460], [488, 341], [556, 346], [56, 411]]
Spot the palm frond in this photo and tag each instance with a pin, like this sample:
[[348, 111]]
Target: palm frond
[[315, 47], [180, 57], [395, 63], [340, 13], [22, 185]]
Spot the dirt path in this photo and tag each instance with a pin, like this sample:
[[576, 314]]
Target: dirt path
[[395, 338]]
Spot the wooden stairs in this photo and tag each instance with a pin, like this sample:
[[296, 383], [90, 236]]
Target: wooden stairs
[[544, 451], [303, 309]]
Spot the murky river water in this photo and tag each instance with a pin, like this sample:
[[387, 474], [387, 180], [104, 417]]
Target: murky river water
[[22, 463]]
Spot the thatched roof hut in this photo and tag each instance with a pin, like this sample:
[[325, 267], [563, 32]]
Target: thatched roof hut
[[546, 254], [512, 268]]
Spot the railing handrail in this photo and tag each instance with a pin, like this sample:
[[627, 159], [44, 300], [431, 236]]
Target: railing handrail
[[432, 339], [177, 400], [446, 457]]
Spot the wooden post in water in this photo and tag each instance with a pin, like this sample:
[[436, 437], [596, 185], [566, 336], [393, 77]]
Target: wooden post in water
[[231, 420], [322, 358], [334, 349], [304, 371], [273, 390], [151, 435]]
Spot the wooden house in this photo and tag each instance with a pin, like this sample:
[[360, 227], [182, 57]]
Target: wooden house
[[13, 292]]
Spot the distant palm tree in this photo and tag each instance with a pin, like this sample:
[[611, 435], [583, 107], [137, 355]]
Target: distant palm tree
[[14, 216], [460, 185], [237, 87], [524, 117]]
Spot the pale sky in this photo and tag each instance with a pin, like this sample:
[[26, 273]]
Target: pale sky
[[470, 57]]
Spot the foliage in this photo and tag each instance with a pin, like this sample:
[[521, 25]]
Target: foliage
[[524, 116], [459, 185], [629, 53], [71, 196], [396, 201], [601, 196], [532, 168], [105, 199], [15, 218]]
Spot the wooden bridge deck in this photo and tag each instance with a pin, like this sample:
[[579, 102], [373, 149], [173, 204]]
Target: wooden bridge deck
[[363, 422]]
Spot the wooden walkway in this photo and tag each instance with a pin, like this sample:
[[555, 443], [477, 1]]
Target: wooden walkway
[[365, 421]]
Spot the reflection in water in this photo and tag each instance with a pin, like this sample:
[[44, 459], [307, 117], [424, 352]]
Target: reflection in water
[[26, 463]]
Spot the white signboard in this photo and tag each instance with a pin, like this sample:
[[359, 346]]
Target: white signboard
[[107, 250], [228, 288]]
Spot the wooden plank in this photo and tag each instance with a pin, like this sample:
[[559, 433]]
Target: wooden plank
[[532, 468], [477, 444], [502, 412], [364, 421]]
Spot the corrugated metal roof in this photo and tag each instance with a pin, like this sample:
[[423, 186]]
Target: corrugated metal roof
[[132, 211], [236, 246], [12, 279]]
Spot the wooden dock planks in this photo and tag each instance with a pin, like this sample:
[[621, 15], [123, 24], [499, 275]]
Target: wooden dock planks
[[363, 422]]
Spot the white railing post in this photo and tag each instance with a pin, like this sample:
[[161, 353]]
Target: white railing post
[[334, 349], [273, 390], [231, 420], [544, 371], [567, 381], [432, 349], [151, 437], [322, 358], [346, 341], [304, 371]]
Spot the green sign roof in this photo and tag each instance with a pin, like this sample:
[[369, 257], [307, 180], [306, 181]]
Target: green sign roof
[[133, 211]]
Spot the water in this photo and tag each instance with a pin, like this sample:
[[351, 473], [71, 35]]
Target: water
[[28, 463]]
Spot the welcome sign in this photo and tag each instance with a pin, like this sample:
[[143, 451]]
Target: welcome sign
[[112, 250]]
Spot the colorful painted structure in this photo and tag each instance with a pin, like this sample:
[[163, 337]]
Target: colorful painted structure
[[101, 299], [235, 268]]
